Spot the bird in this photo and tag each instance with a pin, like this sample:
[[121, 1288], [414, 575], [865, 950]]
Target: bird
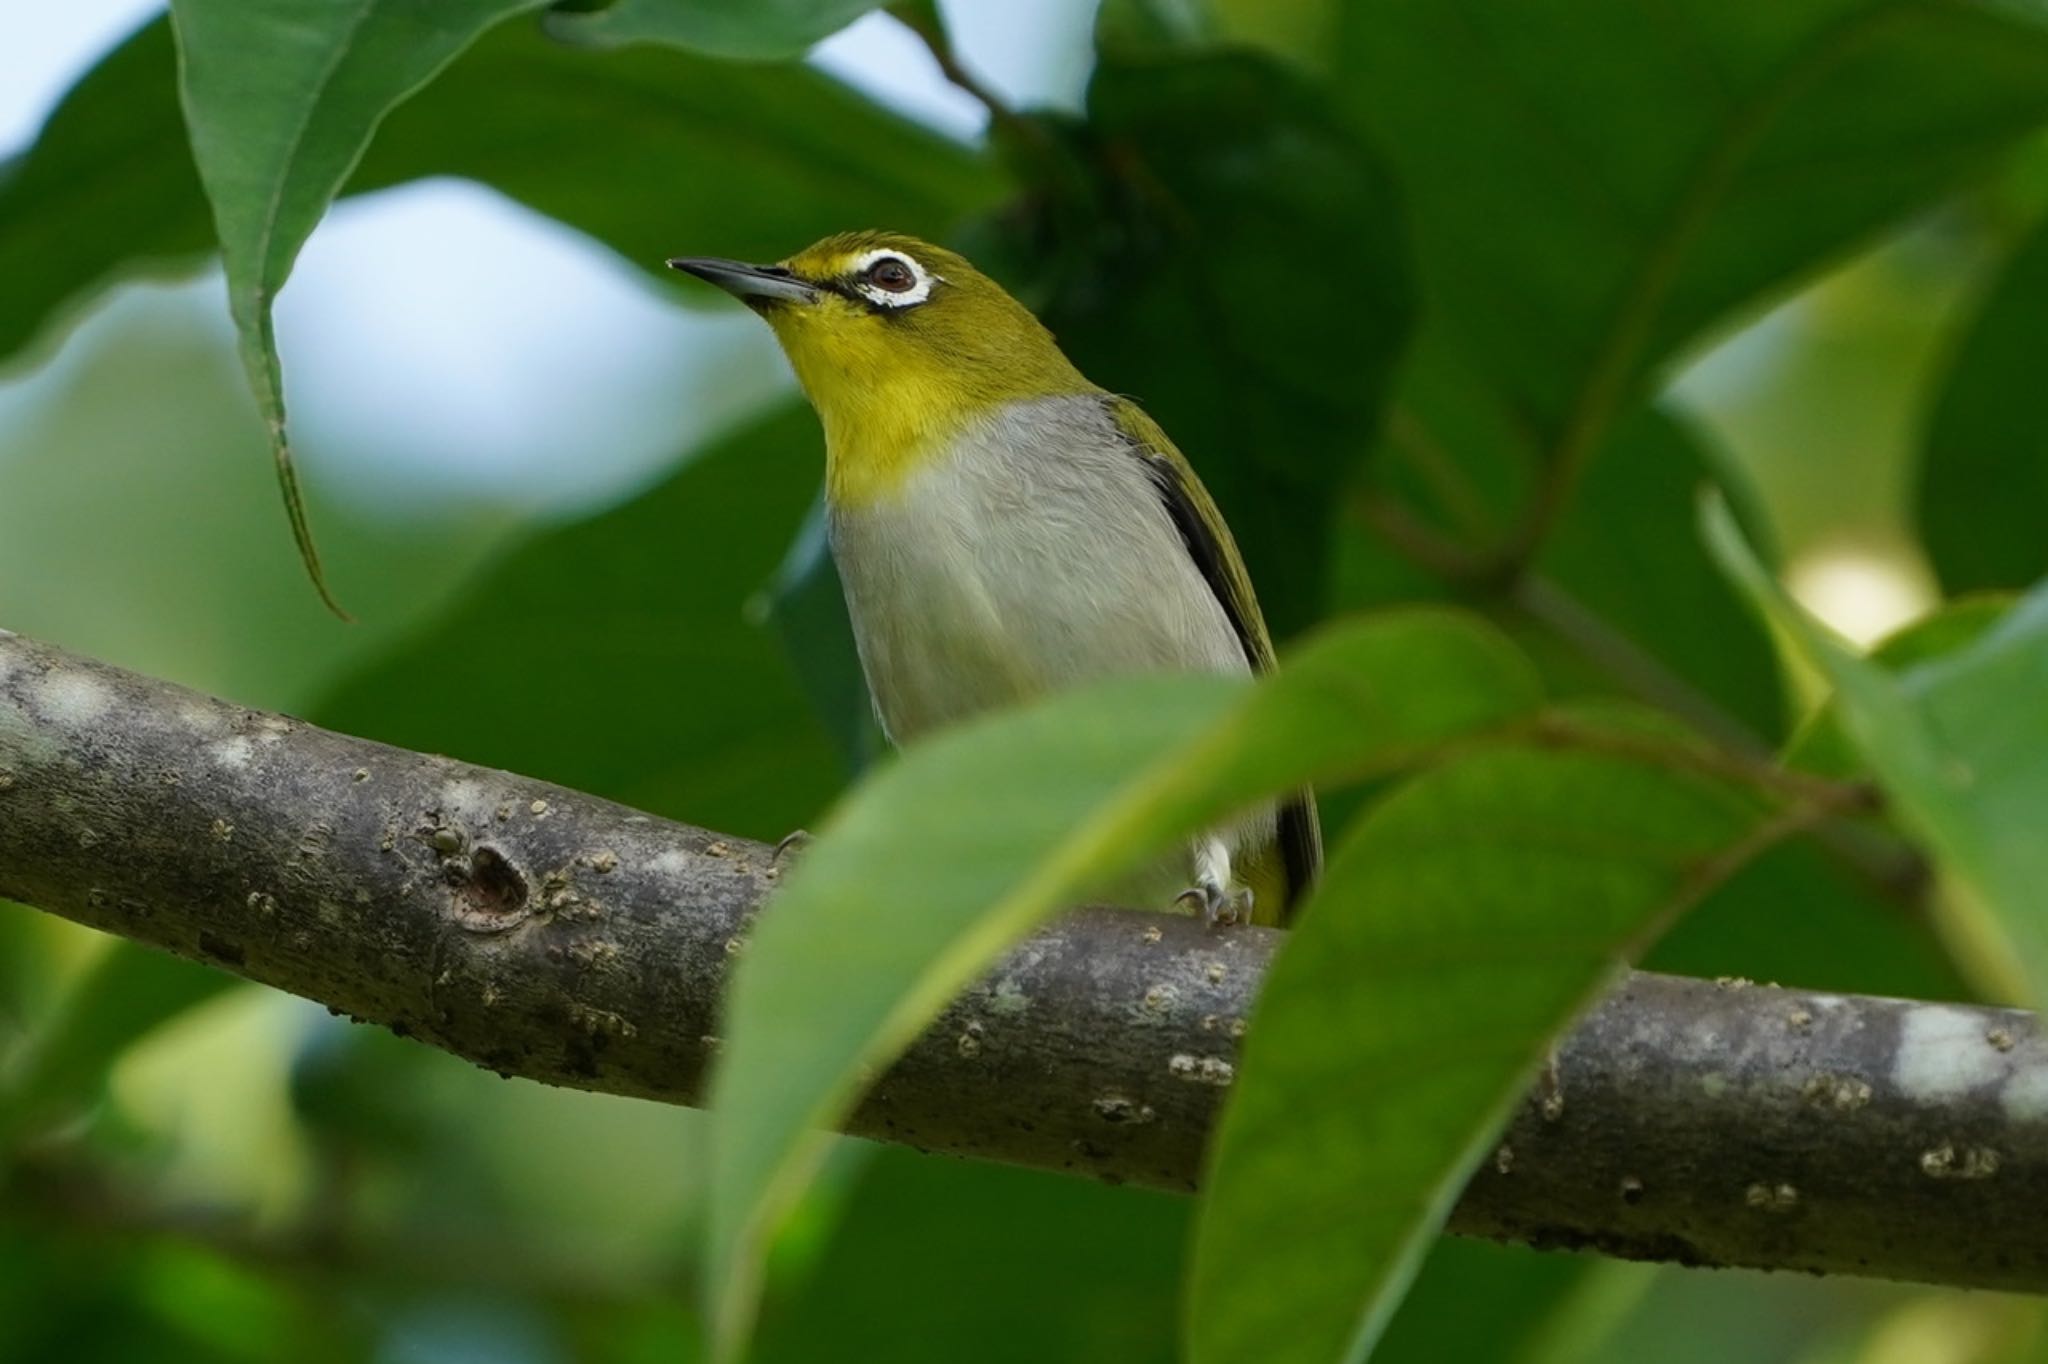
[[1004, 529]]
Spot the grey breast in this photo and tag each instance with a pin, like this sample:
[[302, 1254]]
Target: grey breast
[[1033, 553]]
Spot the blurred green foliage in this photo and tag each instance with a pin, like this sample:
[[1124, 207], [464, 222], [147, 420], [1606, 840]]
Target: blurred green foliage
[[1093, 782], [1410, 282], [1985, 472], [1216, 187], [1479, 925], [708, 724]]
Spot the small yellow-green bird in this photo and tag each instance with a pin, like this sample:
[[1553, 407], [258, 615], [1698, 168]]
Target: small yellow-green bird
[[1003, 527]]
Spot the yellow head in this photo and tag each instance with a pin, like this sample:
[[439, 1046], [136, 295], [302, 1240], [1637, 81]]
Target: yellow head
[[898, 344]]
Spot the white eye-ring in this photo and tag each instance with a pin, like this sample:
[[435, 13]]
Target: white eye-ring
[[890, 279]]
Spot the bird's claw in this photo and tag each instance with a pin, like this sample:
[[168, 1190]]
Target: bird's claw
[[1217, 905], [793, 843]]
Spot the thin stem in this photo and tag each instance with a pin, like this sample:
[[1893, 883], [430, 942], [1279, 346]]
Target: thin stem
[[1409, 437], [1634, 667], [1820, 795], [74, 1193], [1626, 339], [1412, 538], [1891, 868], [923, 20]]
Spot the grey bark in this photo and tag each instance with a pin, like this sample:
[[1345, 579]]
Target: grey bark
[[549, 934]]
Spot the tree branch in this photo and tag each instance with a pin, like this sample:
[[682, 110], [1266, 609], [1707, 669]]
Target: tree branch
[[552, 935]]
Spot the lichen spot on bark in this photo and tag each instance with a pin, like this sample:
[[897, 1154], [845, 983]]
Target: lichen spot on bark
[[72, 699], [1942, 1056], [2025, 1096]]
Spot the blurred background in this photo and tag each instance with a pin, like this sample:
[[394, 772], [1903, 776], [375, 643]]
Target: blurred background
[[482, 396]]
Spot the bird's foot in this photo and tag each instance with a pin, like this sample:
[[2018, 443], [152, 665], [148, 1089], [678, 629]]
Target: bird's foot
[[1217, 905], [791, 847]]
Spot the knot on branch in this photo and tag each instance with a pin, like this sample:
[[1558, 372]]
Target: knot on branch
[[487, 893]]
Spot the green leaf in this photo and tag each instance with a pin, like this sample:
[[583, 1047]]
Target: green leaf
[[1303, 31], [24, 963], [1466, 919], [1625, 582], [992, 1264], [641, 149], [1623, 599], [128, 992], [806, 608], [107, 189], [1594, 182], [1956, 750], [757, 30], [1820, 746], [1519, 1287], [1798, 914], [280, 98], [919, 880], [631, 629], [1984, 474], [92, 1300], [1225, 187], [143, 432], [1964, 939], [1126, 29], [233, 1309], [1626, 1312], [655, 151]]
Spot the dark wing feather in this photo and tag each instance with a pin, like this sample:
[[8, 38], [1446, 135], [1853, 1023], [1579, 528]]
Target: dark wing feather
[[1209, 544]]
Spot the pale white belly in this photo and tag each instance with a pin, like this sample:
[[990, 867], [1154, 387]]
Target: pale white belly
[[1034, 554]]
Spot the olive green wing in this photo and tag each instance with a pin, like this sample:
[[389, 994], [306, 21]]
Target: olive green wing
[[1209, 544]]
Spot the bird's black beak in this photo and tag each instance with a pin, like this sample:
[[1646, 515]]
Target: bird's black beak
[[753, 285]]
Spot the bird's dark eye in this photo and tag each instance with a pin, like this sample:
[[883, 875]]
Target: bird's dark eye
[[893, 274]]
